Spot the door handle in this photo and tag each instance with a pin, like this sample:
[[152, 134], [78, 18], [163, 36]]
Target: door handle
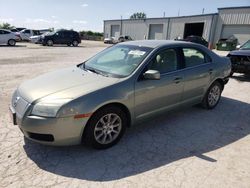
[[177, 80]]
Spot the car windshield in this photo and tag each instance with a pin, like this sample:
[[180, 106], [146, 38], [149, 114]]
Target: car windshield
[[246, 46], [117, 61]]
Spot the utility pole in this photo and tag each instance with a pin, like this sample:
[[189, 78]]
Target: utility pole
[[203, 10], [164, 14], [179, 12]]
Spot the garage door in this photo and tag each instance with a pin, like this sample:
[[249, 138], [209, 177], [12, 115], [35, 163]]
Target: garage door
[[115, 31], [241, 32], [156, 31]]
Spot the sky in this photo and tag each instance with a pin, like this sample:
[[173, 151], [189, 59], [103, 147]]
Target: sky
[[89, 14]]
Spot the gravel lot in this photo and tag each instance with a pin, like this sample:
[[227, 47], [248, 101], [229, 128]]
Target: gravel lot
[[189, 148]]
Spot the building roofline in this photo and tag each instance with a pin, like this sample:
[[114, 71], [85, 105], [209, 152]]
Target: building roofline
[[233, 7], [174, 17]]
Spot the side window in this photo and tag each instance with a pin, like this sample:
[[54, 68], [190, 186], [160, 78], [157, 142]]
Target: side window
[[193, 57], [27, 31], [166, 61]]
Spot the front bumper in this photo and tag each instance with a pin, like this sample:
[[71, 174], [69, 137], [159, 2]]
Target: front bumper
[[51, 131], [241, 68]]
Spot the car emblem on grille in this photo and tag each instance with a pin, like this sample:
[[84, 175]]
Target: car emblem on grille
[[15, 102]]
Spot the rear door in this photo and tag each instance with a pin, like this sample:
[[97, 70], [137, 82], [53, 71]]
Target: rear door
[[197, 74], [152, 96], [26, 34], [59, 37]]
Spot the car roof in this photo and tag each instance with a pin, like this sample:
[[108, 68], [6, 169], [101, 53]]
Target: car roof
[[156, 43]]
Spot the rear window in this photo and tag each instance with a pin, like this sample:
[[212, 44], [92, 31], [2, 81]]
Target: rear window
[[193, 57]]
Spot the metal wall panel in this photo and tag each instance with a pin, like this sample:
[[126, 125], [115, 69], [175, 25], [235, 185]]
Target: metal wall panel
[[177, 25], [115, 31], [174, 27], [155, 31], [239, 16], [137, 30], [241, 32]]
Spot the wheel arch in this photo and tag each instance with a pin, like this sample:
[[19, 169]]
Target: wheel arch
[[117, 104], [123, 107], [221, 82]]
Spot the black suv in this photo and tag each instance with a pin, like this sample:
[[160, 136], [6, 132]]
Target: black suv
[[196, 39], [68, 37]]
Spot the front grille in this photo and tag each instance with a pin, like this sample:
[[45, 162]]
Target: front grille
[[41, 137], [241, 60], [19, 104]]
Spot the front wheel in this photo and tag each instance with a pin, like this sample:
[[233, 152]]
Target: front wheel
[[105, 128], [50, 43], [11, 42], [213, 95]]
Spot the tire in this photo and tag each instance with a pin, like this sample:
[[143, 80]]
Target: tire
[[231, 73], [11, 42], [75, 43], [212, 96], [50, 42], [68, 44], [100, 132]]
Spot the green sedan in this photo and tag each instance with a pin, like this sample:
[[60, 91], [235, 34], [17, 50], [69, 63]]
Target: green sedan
[[96, 101]]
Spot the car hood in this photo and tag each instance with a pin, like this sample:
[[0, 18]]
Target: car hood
[[65, 83], [240, 52]]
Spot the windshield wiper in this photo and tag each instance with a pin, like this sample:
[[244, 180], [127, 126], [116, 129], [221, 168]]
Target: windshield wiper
[[94, 71]]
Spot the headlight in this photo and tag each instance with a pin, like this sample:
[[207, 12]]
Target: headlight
[[48, 108]]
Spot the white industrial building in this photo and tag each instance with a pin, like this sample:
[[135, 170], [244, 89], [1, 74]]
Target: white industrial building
[[227, 22]]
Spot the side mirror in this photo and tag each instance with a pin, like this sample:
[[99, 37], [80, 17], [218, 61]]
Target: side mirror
[[238, 47], [152, 75]]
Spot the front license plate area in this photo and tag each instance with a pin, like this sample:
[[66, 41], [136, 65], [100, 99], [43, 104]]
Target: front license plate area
[[13, 116]]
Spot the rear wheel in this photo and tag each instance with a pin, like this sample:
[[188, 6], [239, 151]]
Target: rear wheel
[[75, 43], [69, 44], [105, 128], [213, 95], [50, 43], [11, 42]]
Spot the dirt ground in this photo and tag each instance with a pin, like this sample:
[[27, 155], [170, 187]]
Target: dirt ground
[[189, 148]]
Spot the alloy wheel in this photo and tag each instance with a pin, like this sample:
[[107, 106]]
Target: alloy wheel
[[108, 128]]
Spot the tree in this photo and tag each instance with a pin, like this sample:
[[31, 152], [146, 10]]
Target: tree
[[6, 26], [138, 15]]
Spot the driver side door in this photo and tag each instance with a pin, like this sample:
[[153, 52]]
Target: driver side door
[[154, 96]]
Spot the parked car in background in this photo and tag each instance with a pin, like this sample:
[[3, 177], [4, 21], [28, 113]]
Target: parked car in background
[[27, 33], [37, 38], [240, 59], [124, 38], [196, 39], [94, 102], [110, 40], [8, 37], [14, 30], [20, 28], [227, 44], [68, 37]]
